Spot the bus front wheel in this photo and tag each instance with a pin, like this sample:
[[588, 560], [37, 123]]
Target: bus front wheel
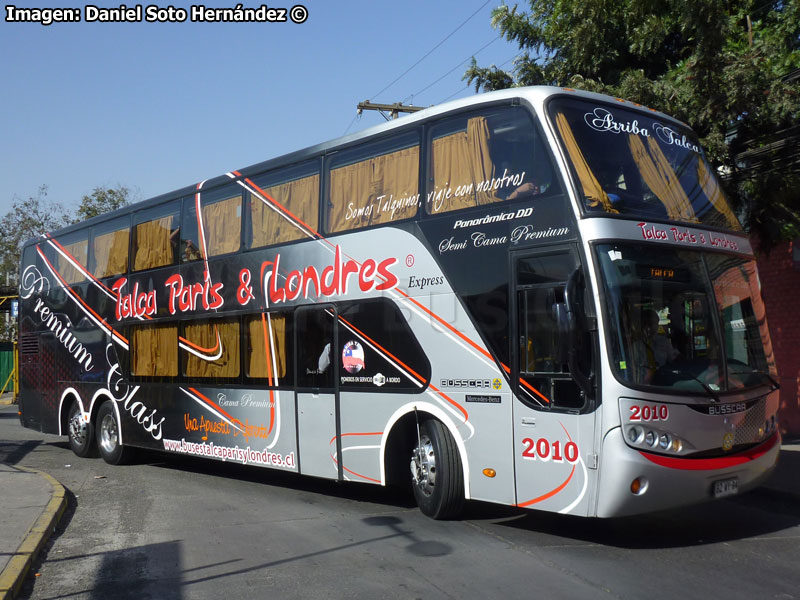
[[436, 474], [111, 450]]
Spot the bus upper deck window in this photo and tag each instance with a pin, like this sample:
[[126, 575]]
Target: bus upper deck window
[[374, 183], [109, 251], [283, 205], [73, 256], [156, 236], [487, 157], [221, 223]]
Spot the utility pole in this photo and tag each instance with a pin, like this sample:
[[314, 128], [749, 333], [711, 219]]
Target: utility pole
[[393, 109]]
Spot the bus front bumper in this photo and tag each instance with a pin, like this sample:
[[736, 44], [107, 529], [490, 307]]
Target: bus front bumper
[[664, 482]]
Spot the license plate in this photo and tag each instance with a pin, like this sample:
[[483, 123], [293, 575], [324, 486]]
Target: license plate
[[726, 487]]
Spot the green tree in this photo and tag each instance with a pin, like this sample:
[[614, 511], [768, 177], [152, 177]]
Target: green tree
[[29, 217], [103, 200], [727, 68]]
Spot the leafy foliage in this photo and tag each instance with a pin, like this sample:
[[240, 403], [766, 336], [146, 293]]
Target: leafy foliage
[[29, 217], [727, 68], [103, 200], [35, 215]]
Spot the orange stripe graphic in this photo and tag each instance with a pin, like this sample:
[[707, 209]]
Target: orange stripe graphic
[[549, 494]]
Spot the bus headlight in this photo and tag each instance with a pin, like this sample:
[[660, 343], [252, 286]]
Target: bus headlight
[[650, 438], [655, 439], [635, 435]]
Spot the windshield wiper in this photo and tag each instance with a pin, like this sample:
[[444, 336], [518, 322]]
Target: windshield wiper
[[709, 390], [775, 384]]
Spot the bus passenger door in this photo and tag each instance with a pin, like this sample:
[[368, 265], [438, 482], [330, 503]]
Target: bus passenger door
[[553, 421], [317, 392]]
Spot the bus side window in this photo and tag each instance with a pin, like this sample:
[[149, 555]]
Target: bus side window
[[154, 351], [109, 251], [283, 206], [156, 235], [269, 349], [374, 183], [74, 249], [487, 157], [211, 349], [222, 219], [190, 240], [316, 355], [221, 224]]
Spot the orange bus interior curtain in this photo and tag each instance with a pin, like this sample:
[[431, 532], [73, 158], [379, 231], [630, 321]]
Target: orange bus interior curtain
[[79, 252], [153, 244], [111, 253], [715, 196], [660, 177], [222, 222], [299, 197], [154, 351], [203, 338], [592, 189], [260, 350], [461, 163], [362, 193]]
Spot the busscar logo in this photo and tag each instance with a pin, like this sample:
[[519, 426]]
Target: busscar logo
[[481, 384]]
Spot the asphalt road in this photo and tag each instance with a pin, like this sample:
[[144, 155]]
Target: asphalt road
[[167, 528]]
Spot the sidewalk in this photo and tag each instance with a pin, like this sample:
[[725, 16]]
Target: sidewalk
[[32, 502]]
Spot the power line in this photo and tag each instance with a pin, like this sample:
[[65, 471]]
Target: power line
[[351, 124], [447, 37], [466, 87], [454, 68]]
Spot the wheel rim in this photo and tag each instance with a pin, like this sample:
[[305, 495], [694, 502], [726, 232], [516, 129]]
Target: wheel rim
[[77, 428], [423, 466], [108, 434]]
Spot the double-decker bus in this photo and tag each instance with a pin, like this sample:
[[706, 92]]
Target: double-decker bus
[[535, 297]]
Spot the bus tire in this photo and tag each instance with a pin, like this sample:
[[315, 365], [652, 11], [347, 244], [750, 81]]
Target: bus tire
[[80, 433], [436, 474], [111, 450]]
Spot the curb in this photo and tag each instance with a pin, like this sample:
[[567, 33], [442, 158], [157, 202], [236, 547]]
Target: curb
[[17, 568]]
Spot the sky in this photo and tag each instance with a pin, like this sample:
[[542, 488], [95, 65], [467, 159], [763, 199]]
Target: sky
[[158, 106]]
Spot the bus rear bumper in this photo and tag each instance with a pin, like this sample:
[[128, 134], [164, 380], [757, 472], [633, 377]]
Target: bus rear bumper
[[668, 482]]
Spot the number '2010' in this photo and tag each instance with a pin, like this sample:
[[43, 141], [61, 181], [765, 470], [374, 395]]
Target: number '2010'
[[544, 449], [659, 412]]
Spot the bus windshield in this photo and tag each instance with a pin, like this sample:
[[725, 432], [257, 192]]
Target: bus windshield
[[664, 328], [631, 164]]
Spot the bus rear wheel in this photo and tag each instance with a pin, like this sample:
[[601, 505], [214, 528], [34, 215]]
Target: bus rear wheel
[[436, 474], [80, 433], [111, 450]]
